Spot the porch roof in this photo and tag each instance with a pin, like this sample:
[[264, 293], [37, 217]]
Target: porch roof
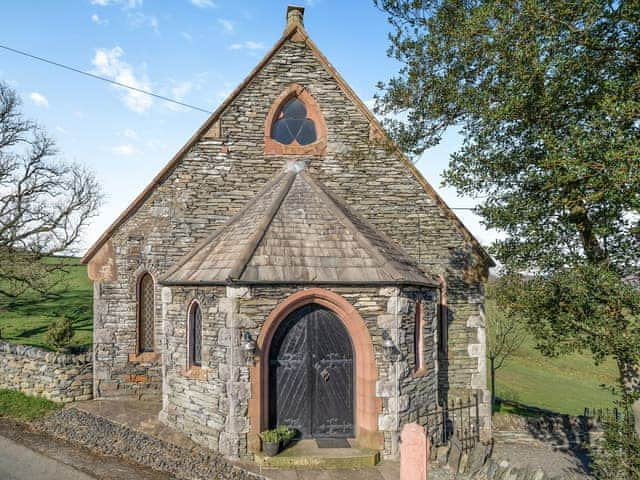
[[296, 231]]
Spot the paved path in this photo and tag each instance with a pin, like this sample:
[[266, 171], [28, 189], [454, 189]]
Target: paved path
[[20, 463]]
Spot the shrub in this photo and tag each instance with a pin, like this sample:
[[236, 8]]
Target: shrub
[[270, 436], [617, 456], [60, 333], [285, 433]]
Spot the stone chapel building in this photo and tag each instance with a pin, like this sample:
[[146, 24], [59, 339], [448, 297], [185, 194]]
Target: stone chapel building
[[288, 267]]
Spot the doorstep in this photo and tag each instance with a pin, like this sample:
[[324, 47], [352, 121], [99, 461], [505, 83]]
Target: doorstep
[[307, 454]]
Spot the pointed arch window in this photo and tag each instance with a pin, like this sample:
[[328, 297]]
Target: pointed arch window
[[195, 335], [295, 125], [146, 313]]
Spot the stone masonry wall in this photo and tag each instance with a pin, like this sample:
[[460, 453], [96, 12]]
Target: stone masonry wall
[[56, 376], [211, 404], [217, 176]]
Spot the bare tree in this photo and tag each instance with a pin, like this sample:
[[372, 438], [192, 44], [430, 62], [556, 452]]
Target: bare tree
[[505, 335], [45, 203]]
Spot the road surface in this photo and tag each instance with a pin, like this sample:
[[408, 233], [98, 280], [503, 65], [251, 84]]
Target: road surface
[[29, 455], [20, 463]]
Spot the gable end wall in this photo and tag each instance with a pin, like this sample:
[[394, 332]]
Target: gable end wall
[[217, 176]]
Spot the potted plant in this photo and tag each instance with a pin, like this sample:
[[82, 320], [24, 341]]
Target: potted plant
[[270, 442], [286, 434]]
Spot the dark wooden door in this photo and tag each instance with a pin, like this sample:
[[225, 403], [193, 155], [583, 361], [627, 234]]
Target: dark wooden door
[[311, 374]]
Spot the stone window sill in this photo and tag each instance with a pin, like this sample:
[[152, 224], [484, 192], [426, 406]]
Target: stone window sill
[[196, 373], [421, 372], [144, 357]]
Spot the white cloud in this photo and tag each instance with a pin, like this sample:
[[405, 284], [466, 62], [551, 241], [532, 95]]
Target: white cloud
[[227, 25], [95, 18], [203, 3], [108, 63], [139, 19], [39, 100], [187, 37], [124, 3], [181, 89], [59, 129], [248, 45], [130, 133], [126, 150]]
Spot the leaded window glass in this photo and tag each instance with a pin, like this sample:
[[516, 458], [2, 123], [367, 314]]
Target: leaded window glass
[[195, 335], [292, 124], [145, 314]]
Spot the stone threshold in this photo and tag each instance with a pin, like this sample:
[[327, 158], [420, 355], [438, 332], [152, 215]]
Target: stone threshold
[[307, 454]]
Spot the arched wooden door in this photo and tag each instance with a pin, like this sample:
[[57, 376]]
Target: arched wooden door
[[311, 384]]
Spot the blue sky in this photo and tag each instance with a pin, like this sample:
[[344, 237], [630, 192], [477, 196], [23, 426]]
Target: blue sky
[[196, 51]]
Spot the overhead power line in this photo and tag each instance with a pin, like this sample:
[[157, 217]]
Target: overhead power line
[[104, 79], [113, 82]]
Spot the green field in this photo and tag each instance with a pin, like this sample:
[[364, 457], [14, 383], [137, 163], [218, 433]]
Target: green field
[[565, 384], [25, 320]]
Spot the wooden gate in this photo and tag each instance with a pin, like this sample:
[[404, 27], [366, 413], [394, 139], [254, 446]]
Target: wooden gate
[[311, 374]]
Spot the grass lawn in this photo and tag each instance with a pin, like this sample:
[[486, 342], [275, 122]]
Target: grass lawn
[[18, 405], [565, 384], [25, 319]]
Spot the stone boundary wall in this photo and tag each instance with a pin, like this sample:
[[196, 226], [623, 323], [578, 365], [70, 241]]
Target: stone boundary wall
[[35, 371], [478, 465], [109, 438]]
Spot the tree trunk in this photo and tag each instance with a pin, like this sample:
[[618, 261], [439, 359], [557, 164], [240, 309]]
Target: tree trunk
[[493, 384], [630, 378]]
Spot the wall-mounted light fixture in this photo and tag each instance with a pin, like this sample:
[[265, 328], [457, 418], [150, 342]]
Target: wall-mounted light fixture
[[387, 344], [248, 347]]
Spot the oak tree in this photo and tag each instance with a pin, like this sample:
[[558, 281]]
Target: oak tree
[[546, 95]]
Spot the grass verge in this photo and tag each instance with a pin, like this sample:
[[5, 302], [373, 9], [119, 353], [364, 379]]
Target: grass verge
[[24, 407]]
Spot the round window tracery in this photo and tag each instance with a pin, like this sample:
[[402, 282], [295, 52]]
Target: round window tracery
[[292, 124]]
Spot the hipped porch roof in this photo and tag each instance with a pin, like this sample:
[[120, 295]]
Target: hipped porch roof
[[295, 231]]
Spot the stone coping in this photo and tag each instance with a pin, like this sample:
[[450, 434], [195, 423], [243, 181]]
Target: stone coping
[[36, 353]]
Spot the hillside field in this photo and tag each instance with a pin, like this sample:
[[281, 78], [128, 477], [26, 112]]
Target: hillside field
[[25, 320]]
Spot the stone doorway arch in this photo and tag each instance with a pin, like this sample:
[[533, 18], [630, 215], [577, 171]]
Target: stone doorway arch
[[367, 404]]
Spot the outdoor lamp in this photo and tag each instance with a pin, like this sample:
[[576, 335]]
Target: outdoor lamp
[[248, 346], [387, 344]]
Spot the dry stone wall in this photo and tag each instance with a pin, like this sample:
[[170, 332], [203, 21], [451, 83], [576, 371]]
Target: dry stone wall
[[56, 376], [217, 176]]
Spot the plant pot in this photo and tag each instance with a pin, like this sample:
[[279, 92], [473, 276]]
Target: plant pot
[[271, 449]]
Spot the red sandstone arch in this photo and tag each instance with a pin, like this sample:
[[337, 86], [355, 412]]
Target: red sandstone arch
[[367, 406]]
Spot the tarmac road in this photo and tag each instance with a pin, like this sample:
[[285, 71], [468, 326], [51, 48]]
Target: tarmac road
[[29, 455], [20, 463]]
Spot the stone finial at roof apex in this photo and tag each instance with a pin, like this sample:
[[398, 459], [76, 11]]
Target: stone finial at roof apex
[[296, 166], [295, 15]]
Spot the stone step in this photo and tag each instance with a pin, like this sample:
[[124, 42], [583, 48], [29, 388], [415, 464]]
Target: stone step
[[306, 454]]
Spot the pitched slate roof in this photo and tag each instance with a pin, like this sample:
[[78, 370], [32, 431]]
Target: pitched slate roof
[[296, 231], [293, 31]]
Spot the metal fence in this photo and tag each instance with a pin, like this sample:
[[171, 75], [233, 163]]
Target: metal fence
[[460, 418], [599, 415]]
